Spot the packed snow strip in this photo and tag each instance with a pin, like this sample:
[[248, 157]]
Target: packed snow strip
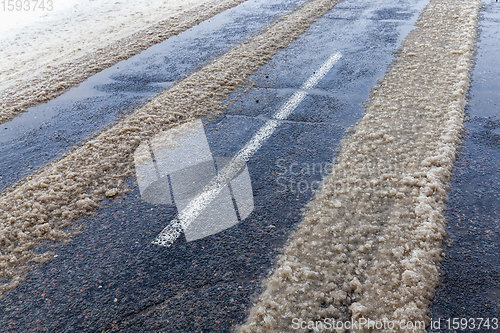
[[369, 244], [42, 205], [45, 59]]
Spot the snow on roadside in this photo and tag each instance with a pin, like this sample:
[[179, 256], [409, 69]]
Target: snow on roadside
[[79, 28], [55, 52]]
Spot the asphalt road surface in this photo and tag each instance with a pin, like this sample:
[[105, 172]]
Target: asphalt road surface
[[111, 277], [470, 281]]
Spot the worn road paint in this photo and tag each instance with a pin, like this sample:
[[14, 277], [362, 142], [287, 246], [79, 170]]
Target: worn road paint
[[173, 231]]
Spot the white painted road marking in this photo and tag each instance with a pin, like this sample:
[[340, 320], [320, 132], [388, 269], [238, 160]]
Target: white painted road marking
[[168, 236]]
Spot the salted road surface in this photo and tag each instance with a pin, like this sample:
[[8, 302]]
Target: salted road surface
[[112, 276]]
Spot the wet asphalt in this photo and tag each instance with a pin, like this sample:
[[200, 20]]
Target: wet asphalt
[[470, 281], [111, 278]]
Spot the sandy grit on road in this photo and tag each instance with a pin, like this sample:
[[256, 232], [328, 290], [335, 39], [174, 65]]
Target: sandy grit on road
[[369, 244], [42, 205], [42, 60]]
